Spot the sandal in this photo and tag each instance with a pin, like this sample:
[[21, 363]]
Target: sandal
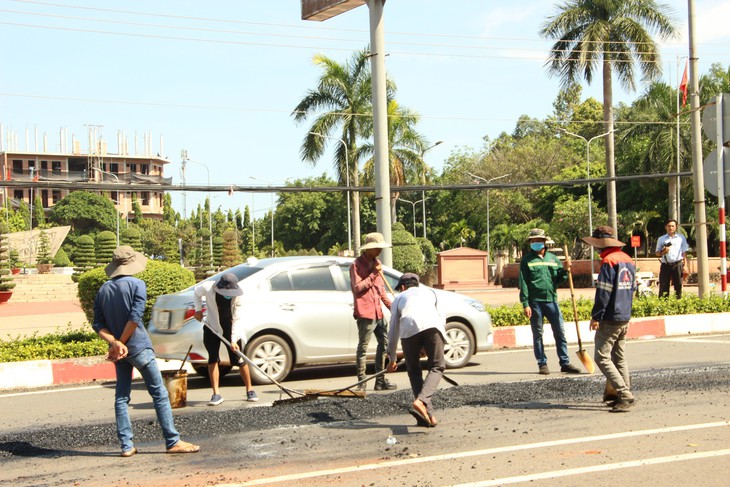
[[420, 419], [183, 447], [129, 453]]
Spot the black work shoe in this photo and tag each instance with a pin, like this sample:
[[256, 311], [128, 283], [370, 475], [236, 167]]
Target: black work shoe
[[543, 370], [610, 399], [570, 369], [622, 405], [385, 385]]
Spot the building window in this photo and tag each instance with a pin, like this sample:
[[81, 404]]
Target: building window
[[44, 165], [113, 167], [44, 198], [145, 198], [56, 166], [132, 167], [56, 196], [145, 169], [114, 195], [19, 194]]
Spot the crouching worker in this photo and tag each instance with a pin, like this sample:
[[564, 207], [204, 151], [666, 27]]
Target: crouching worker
[[118, 309], [416, 320], [611, 314], [225, 312]]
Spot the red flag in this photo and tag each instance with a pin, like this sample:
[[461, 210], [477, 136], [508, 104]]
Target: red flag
[[683, 85]]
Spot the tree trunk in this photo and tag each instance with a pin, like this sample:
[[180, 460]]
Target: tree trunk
[[608, 141], [673, 199]]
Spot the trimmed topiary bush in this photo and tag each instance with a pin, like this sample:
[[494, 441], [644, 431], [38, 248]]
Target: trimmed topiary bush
[[132, 237], [84, 257], [160, 277], [61, 259], [6, 278], [106, 242], [407, 255]]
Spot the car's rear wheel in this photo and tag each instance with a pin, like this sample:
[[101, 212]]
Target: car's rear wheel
[[202, 370], [459, 345], [272, 354]]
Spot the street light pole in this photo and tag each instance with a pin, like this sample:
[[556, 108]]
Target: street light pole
[[210, 206], [588, 162], [487, 181], [413, 205], [116, 210], [423, 181], [347, 170]]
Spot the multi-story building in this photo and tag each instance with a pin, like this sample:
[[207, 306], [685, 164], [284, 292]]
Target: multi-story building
[[93, 165]]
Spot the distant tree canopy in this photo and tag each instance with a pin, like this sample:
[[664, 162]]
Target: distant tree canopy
[[86, 213]]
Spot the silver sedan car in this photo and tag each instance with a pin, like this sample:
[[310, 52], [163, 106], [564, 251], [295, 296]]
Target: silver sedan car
[[299, 311]]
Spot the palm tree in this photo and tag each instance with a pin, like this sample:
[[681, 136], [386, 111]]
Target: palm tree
[[614, 33], [342, 101], [405, 146], [658, 105]]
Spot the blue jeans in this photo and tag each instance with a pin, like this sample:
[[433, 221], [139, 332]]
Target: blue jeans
[[147, 366], [551, 311]]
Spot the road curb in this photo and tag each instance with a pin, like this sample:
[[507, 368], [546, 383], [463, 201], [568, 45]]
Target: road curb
[[44, 373]]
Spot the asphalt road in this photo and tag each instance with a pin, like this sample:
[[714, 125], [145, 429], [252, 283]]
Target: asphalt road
[[503, 424]]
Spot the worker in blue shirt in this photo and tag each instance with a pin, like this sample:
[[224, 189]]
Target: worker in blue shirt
[[118, 309]]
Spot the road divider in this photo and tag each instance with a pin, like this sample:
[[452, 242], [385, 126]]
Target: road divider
[[44, 373]]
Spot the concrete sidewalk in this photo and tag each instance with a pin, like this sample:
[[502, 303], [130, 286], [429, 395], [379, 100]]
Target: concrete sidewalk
[[27, 319]]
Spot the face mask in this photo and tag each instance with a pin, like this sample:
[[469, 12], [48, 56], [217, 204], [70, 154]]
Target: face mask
[[537, 246], [228, 297]]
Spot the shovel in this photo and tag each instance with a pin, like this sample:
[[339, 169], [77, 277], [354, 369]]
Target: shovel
[[582, 355]]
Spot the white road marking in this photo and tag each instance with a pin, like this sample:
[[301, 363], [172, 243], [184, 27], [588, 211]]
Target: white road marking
[[49, 391], [474, 453], [702, 340], [597, 468]]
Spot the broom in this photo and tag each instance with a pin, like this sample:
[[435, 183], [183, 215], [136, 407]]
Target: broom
[[582, 355]]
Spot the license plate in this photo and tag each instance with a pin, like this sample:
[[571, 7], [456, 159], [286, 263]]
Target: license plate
[[163, 320]]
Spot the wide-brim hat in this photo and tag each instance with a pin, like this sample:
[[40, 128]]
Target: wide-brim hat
[[375, 240], [602, 237], [227, 285], [125, 262], [537, 233]]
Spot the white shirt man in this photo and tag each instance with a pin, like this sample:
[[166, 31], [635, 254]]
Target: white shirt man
[[671, 249]]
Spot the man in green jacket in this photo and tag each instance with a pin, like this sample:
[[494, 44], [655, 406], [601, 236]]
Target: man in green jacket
[[540, 274]]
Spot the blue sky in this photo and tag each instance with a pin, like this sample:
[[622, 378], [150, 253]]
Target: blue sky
[[220, 78]]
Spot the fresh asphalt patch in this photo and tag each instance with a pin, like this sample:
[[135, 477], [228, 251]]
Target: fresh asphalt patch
[[74, 440]]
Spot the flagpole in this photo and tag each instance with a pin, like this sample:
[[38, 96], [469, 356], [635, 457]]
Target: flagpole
[[679, 193]]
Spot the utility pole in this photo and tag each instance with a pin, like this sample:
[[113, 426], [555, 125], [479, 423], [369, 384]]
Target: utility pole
[[703, 276]]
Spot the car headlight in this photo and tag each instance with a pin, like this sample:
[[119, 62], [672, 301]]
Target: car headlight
[[476, 304]]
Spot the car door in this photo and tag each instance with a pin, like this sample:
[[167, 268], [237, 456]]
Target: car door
[[317, 312]]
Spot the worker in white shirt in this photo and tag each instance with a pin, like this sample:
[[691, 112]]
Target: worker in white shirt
[[417, 322]]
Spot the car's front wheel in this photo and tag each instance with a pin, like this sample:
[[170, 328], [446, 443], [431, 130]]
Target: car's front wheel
[[459, 345], [271, 354]]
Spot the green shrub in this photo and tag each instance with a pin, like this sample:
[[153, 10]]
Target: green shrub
[[69, 344], [510, 315], [106, 242], [84, 256], [132, 237], [6, 278], [61, 259], [160, 278], [407, 255]]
